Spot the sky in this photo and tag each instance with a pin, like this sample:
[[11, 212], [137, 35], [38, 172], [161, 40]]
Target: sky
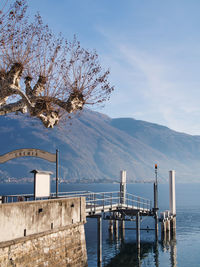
[[151, 47]]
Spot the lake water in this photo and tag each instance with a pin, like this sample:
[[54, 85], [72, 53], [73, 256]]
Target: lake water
[[183, 251]]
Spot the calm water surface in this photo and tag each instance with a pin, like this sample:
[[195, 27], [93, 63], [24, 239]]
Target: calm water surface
[[184, 251]]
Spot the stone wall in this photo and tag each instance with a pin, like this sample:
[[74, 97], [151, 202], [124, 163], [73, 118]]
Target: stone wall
[[43, 233]]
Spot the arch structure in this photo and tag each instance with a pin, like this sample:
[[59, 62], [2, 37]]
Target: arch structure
[[32, 152], [28, 152]]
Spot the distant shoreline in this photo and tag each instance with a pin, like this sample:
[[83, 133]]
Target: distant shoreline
[[89, 183]]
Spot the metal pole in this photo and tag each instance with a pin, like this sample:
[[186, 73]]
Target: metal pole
[[156, 173], [123, 187], [57, 158], [138, 231], [155, 196], [156, 221], [156, 188], [156, 201], [156, 253], [99, 239]]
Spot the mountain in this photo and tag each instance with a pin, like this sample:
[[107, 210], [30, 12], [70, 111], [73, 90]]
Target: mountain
[[94, 148]]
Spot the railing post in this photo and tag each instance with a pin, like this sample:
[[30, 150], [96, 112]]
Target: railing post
[[90, 201], [138, 203], [111, 224], [111, 200], [94, 202], [4, 199]]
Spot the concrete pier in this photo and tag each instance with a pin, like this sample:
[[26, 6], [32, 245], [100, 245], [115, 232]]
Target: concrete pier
[[43, 233], [51, 217]]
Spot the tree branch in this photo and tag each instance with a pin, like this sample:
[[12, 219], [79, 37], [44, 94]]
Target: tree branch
[[13, 107], [40, 86]]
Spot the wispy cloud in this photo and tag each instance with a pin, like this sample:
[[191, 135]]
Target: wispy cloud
[[152, 48], [148, 89]]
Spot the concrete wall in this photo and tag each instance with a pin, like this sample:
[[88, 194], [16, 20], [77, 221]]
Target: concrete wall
[[25, 218], [43, 233]]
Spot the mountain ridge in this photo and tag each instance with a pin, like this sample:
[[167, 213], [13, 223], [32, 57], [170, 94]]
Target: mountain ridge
[[95, 147]]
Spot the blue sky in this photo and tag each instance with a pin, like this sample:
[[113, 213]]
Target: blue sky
[[152, 48]]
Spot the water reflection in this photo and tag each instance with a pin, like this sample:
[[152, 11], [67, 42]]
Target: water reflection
[[128, 255]]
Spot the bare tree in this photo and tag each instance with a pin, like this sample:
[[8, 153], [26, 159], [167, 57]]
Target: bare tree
[[43, 74]]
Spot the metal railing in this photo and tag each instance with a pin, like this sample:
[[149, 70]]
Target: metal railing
[[70, 194], [31, 197], [16, 198], [104, 201], [100, 201]]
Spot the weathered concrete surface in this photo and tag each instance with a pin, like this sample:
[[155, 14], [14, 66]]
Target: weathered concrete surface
[[26, 218], [54, 232]]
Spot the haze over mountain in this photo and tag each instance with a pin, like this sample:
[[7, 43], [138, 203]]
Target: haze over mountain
[[95, 148]]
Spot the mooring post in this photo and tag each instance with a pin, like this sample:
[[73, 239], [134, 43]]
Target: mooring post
[[99, 240], [122, 227], [173, 226], [116, 227], [173, 253], [172, 201], [168, 225], [138, 231], [163, 225], [163, 230], [110, 227]]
